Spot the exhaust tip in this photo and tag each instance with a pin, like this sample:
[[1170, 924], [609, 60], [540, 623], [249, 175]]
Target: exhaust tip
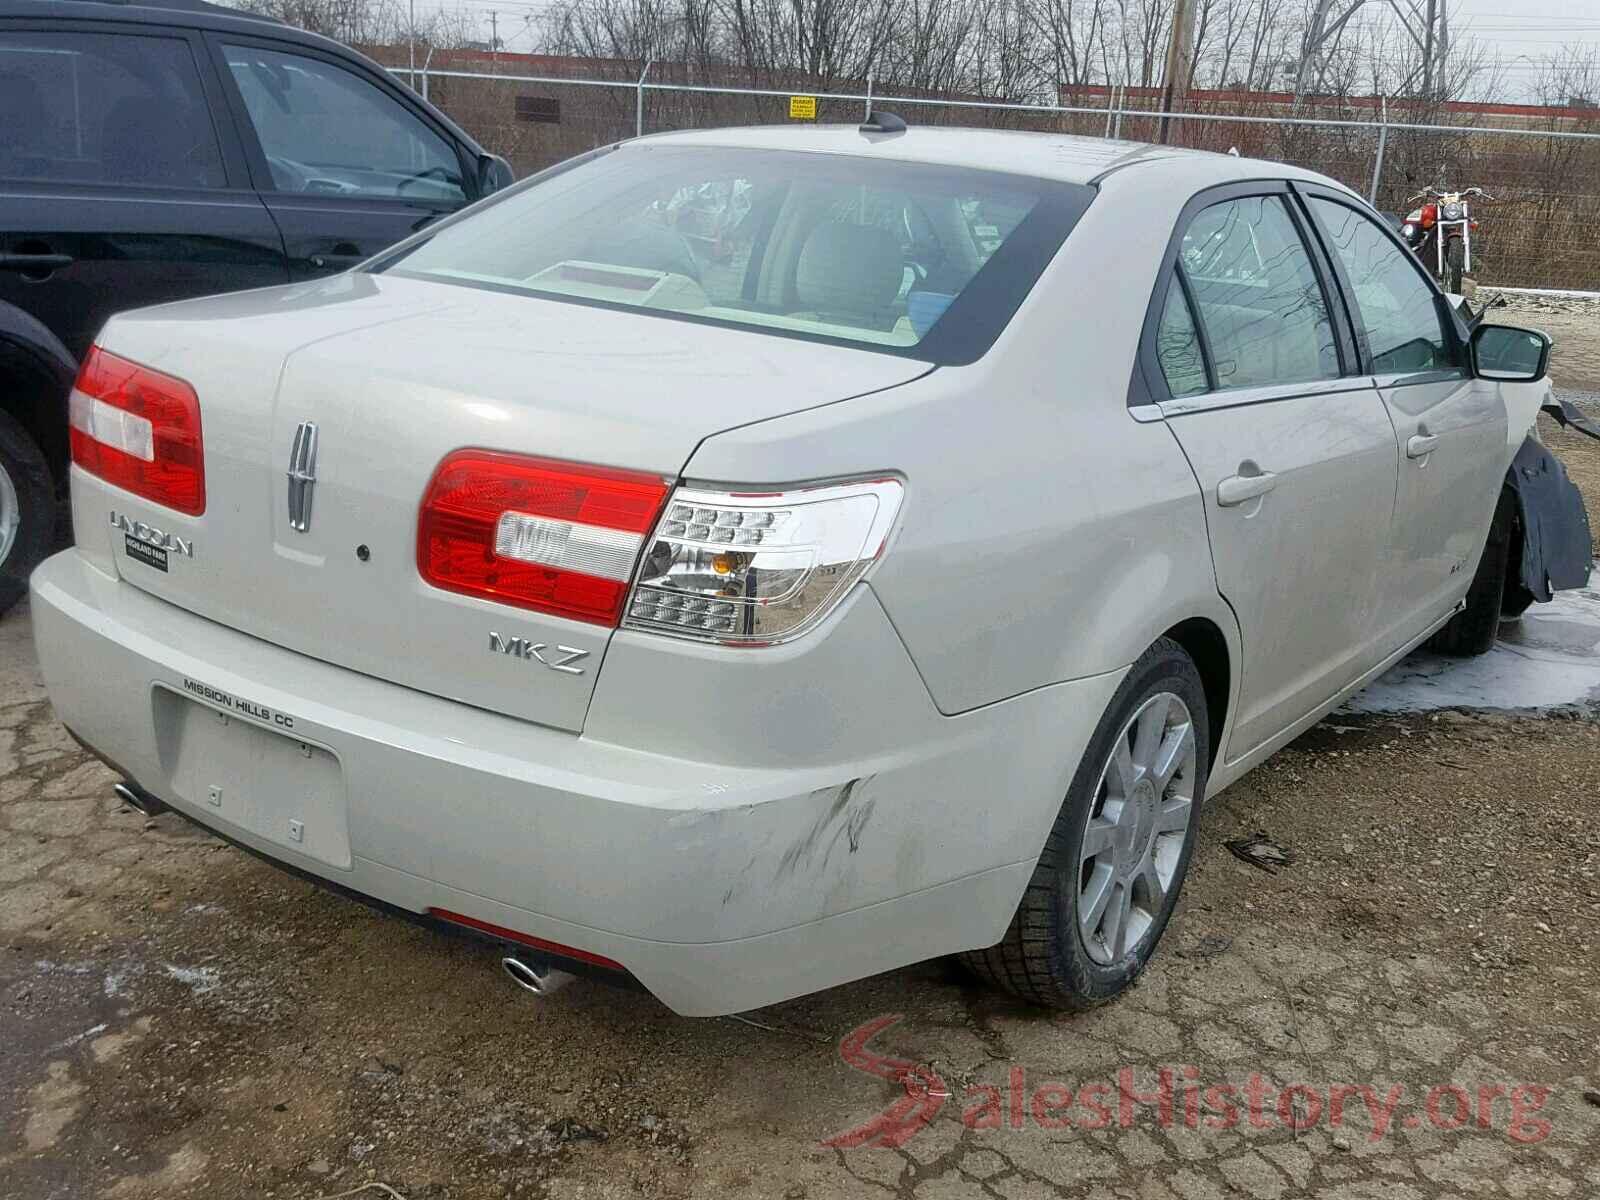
[[538, 978], [134, 797]]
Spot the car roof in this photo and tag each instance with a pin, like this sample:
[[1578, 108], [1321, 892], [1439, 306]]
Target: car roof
[[197, 13], [1068, 157]]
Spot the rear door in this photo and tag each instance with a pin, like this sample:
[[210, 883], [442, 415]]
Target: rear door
[[1294, 454], [1450, 429], [117, 189], [346, 161]]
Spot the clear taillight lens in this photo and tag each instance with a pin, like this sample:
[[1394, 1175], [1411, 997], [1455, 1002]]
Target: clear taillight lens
[[139, 430], [754, 569]]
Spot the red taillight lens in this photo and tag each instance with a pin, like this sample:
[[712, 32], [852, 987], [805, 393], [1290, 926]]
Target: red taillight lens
[[557, 537], [139, 430], [1430, 215]]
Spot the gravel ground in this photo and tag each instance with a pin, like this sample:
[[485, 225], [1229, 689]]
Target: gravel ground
[[184, 1021]]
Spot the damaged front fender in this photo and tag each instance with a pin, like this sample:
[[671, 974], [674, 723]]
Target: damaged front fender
[[1553, 549]]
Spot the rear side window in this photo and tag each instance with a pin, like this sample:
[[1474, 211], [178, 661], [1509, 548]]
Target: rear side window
[[1258, 295], [1394, 302], [1178, 345], [97, 108], [902, 257], [328, 132]]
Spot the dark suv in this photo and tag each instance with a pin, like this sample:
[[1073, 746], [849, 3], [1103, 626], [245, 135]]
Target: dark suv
[[156, 153]]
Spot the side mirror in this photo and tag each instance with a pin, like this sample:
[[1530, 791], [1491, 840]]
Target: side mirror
[[494, 173], [1509, 355]]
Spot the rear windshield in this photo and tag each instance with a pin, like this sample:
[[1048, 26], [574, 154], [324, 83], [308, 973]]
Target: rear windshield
[[929, 262]]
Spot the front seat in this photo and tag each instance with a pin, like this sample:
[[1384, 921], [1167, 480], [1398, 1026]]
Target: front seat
[[849, 275]]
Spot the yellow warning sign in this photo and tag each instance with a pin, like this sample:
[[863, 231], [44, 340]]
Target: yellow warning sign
[[802, 108]]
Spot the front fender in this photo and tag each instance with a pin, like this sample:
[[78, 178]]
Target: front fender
[[1557, 548]]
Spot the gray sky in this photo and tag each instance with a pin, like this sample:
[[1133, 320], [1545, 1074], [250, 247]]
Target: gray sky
[[1519, 32]]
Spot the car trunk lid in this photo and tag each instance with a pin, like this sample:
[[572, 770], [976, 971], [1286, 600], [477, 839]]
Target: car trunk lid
[[396, 374]]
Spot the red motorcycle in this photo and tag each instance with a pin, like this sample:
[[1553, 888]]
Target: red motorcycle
[[1445, 219]]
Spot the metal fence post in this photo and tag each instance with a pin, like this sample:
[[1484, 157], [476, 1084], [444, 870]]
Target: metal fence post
[[638, 108], [1383, 142]]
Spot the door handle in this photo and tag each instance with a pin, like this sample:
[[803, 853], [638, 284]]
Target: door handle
[[34, 266], [1421, 445], [1236, 489], [336, 262]]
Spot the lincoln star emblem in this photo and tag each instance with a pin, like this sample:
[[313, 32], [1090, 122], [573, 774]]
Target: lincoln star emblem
[[302, 475]]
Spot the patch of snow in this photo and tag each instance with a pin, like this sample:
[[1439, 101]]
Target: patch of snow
[[78, 1037], [199, 980], [1550, 659]]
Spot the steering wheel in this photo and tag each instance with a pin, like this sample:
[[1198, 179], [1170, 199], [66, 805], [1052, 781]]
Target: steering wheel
[[442, 174]]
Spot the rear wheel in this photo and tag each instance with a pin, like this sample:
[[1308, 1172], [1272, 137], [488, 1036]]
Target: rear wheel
[[1472, 630], [1455, 254], [27, 509], [1108, 879]]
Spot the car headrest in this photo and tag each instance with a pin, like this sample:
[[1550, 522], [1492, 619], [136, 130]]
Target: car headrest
[[851, 270]]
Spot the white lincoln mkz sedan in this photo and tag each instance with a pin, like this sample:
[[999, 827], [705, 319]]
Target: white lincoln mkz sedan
[[740, 562]]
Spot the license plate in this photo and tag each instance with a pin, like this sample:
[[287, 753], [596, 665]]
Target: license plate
[[236, 772]]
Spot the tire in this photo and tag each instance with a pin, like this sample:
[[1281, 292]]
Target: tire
[[1454, 255], [1516, 601], [27, 510], [1046, 957], [1472, 630]]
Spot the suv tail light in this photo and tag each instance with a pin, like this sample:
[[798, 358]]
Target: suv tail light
[[748, 569], [552, 536], [139, 430]]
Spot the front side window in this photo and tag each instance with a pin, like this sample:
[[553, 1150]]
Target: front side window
[[328, 132], [1258, 295], [97, 108], [1395, 303], [898, 256]]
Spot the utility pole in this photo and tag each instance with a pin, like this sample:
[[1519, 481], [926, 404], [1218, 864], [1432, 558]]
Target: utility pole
[[494, 39], [1179, 53], [1427, 51], [412, 38]]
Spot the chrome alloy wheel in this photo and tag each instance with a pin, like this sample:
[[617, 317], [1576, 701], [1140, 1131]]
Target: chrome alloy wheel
[[10, 515], [1137, 827]]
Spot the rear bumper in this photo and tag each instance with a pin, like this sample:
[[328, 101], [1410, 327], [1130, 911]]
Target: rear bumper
[[720, 886]]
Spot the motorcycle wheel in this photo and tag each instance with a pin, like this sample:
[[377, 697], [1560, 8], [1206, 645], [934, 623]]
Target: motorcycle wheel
[[1455, 255]]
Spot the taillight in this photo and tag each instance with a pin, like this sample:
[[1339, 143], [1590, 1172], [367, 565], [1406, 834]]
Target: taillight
[[139, 430], [1430, 215], [556, 537], [752, 569]]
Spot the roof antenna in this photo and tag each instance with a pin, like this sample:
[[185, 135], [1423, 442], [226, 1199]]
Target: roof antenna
[[883, 122]]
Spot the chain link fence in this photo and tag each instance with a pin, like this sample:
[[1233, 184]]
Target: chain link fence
[[1541, 229]]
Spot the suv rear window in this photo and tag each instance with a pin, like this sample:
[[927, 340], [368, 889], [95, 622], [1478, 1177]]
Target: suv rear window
[[925, 261], [104, 108]]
